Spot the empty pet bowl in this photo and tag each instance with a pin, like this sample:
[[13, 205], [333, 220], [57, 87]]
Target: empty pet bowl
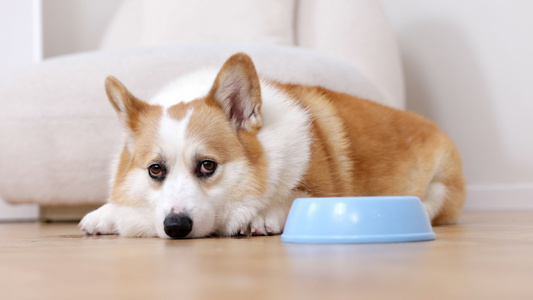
[[357, 220]]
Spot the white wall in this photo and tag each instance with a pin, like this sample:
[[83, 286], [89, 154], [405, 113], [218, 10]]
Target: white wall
[[19, 35], [469, 67], [20, 46]]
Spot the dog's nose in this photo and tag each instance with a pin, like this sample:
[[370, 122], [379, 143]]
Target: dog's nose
[[177, 225]]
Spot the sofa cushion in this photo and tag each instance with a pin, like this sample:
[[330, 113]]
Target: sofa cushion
[[59, 134], [163, 22], [243, 21]]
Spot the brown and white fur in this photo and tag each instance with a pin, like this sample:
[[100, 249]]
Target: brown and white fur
[[226, 153]]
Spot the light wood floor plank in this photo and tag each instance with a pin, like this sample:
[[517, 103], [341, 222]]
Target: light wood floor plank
[[489, 255]]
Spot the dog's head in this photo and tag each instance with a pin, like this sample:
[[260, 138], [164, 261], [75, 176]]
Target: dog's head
[[197, 167]]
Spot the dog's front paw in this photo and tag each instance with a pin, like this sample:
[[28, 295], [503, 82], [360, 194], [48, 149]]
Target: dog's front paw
[[268, 222], [100, 221]]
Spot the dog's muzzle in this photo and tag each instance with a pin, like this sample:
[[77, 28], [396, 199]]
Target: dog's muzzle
[[177, 225]]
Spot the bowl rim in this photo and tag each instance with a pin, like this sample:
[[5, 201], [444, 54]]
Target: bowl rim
[[360, 198]]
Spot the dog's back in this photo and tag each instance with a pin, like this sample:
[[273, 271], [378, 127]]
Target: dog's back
[[368, 149]]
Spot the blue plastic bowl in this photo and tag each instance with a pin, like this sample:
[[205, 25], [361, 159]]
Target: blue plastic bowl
[[357, 220]]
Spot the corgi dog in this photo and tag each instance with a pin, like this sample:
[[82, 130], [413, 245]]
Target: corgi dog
[[225, 152]]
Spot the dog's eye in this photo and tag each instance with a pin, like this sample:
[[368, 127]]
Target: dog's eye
[[207, 168], [157, 172]]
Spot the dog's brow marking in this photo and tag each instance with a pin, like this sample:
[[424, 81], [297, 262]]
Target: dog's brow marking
[[178, 111]]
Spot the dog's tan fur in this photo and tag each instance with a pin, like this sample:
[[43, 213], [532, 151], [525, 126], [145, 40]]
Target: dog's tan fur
[[368, 149]]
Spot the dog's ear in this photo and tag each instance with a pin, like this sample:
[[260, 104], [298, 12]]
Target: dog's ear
[[237, 91], [128, 107]]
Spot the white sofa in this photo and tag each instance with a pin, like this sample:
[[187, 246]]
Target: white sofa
[[58, 133]]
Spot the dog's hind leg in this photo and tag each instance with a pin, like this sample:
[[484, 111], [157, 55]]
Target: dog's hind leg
[[434, 199], [445, 195], [452, 204]]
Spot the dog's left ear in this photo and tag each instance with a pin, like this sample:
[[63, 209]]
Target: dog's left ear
[[237, 91]]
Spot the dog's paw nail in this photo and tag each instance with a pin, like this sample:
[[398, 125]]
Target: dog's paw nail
[[269, 230]]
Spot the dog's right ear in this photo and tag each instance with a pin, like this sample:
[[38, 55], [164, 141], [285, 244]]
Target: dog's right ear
[[128, 107]]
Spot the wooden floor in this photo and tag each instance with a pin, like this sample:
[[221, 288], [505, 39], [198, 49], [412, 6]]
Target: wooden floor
[[486, 256]]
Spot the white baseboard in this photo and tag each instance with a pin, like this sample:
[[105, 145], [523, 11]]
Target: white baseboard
[[22, 212], [479, 197], [500, 197]]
